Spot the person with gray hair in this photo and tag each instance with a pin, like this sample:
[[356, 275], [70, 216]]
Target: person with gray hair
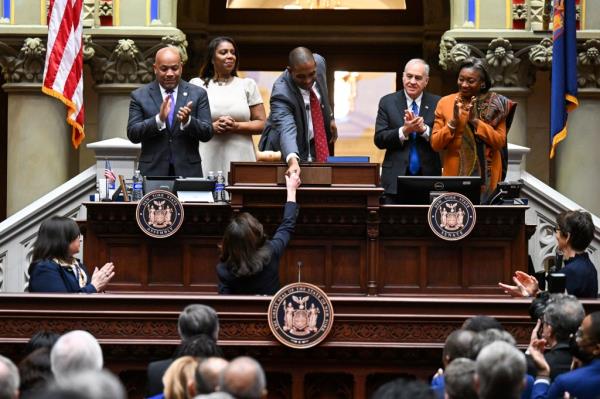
[[194, 321], [9, 379], [403, 128], [486, 337], [459, 344], [244, 378], [209, 373], [561, 318], [94, 384], [500, 369], [75, 351], [460, 379]]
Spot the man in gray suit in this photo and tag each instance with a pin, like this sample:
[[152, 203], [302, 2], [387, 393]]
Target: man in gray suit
[[169, 117], [403, 128], [301, 123]]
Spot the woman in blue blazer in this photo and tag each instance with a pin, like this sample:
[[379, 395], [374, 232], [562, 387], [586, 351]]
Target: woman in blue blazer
[[53, 266], [249, 262]]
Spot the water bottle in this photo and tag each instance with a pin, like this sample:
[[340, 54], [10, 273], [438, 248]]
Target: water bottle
[[211, 177], [137, 192], [220, 187]]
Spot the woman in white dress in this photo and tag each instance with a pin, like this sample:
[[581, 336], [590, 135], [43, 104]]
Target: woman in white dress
[[236, 108]]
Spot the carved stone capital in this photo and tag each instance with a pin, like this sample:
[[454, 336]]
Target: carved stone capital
[[540, 54], [25, 64], [589, 64]]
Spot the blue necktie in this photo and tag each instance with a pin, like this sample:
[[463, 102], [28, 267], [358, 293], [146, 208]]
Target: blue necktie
[[172, 110], [414, 163]]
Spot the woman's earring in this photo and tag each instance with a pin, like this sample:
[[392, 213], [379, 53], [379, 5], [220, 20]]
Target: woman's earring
[[483, 85]]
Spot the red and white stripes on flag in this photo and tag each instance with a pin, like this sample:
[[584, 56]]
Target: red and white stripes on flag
[[63, 72]]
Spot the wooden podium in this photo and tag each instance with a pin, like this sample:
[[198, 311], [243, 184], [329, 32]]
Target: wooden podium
[[345, 241]]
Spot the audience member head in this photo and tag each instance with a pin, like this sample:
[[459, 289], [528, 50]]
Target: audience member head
[[9, 379], [179, 379], [458, 344], [58, 237], [244, 378], [35, 371], [94, 384], [243, 249], [55, 392], [209, 373], [480, 323], [41, 339], [222, 59], [75, 351], [199, 346], [168, 67], [473, 78], [215, 395], [587, 339], [404, 389], [459, 379], [575, 230], [500, 371], [486, 337], [415, 77], [562, 317], [198, 319], [302, 67]]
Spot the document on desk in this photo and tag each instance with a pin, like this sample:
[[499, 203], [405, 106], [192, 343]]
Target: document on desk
[[195, 196]]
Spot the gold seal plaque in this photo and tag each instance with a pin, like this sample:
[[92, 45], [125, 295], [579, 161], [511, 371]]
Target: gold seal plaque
[[300, 315], [159, 214], [451, 216]]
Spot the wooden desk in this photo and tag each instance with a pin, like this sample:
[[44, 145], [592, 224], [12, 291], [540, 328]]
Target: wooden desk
[[347, 243]]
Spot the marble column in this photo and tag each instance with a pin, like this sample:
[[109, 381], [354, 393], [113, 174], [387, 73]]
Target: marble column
[[576, 159], [39, 144], [113, 109]]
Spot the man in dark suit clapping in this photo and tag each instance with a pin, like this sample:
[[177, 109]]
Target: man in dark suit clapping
[[403, 128], [169, 117]]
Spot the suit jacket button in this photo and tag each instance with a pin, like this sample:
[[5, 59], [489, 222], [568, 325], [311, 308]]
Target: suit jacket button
[[170, 140]]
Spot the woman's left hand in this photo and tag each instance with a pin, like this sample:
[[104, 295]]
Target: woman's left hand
[[101, 277], [473, 120]]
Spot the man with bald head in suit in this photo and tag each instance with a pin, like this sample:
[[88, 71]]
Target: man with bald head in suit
[[169, 117]]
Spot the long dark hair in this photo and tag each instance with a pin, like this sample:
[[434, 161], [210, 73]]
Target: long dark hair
[[53, 240], [207, 71], [243, 248]]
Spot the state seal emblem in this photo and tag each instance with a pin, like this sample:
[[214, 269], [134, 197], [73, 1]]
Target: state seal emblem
[[300, 315], [159, 214], [451, 216]]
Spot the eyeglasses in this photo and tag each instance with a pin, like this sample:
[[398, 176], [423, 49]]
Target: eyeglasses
[[556, 229]]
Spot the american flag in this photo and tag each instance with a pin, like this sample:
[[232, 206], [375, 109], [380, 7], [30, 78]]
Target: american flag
[[108, 173], [63, 71]]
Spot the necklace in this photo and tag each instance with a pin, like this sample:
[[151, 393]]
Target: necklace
[[222, 82]]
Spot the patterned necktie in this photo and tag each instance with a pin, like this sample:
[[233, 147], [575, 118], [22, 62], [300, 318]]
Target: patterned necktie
[[318, 125], [172, 110], [414, 163]]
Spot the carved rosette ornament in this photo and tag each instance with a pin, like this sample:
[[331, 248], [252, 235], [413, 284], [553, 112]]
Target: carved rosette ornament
[[178, 41], [503, 65], [520, 12], [589, 64], [453, 53], [24, 65]]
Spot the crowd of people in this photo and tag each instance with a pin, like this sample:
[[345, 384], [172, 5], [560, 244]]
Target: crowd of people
[[479, 360]]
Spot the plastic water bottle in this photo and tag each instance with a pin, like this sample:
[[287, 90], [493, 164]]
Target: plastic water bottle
[[211, 177], [137, 192], [220, 187]]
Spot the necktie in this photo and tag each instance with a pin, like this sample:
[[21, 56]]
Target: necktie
[[414, 163], [172, 110], [318, 125]]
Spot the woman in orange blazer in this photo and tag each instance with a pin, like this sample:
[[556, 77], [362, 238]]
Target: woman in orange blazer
[[470, 128]]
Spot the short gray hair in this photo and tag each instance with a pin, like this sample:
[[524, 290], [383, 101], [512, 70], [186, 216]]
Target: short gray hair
[[198, 319], [94, 384], [459, 379], [244, 377], [418, 61], [74, 352], [486, 337], [9, 379], [564, 314], [501, 370]]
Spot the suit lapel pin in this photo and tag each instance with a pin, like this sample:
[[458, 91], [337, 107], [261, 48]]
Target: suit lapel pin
[[427, 107], [185, 93]]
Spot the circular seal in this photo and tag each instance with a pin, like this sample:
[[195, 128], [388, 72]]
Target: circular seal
[[451, 216], [159, 214], [300, 315]]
